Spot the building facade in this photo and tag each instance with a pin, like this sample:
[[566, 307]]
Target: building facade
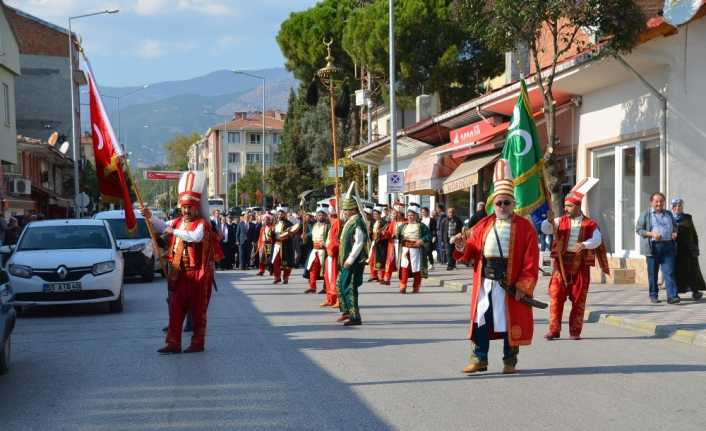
[[227, 149]]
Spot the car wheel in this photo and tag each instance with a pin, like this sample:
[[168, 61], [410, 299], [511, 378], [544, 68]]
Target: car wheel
[[5, 356], [148, 275], [117, 305]]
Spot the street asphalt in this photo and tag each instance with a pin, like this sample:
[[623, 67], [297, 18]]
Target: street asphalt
[[275, 360]]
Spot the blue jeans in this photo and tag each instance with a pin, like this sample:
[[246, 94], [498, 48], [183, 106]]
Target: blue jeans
[[440, 251], [663, 255], [481, 342]]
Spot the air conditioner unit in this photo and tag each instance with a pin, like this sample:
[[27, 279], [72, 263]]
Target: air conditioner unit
[[20, 186]]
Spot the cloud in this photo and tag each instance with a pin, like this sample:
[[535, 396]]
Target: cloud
[[150, 49], [157, 7]]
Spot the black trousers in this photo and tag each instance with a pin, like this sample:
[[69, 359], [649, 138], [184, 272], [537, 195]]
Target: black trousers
[[451, 262], [245, 249]]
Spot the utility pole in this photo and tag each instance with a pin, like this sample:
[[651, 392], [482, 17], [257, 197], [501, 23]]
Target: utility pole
[[393, 110]]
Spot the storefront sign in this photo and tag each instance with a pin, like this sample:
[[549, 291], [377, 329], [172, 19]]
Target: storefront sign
[[471, 134], [162, 175]]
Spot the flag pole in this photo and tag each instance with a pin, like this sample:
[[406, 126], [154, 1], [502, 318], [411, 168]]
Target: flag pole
[[153, 235]]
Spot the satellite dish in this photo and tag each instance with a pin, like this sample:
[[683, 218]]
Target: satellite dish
[[64, 148], [53, 138], [678, 12]]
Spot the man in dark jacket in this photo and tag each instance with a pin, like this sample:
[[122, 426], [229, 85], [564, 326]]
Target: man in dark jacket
[[451, 225], [232, 242], [244, 244], [479, 215], [440, 247]]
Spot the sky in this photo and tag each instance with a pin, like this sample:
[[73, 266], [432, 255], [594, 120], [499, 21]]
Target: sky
[[167, 40]]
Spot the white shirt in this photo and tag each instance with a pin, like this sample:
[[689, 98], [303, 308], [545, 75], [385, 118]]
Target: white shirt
[[358, 243], [590, 244], [426, 220], [195, 235]]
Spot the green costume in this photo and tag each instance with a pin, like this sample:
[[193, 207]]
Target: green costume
[[350, 279]]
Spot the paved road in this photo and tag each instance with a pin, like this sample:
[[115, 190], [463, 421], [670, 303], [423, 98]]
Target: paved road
[[274, 360]]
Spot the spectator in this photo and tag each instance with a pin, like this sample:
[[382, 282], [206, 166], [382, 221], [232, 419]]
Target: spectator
[[233, 252], [430, 222], [479, 215], [687, 273], [440, 248], [244, 245], [450, 226], [658, 230], [545, 241]]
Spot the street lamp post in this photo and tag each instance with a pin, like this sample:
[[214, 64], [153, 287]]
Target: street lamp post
[[263, 127], [393, 111], [327, 76], [74, 144]]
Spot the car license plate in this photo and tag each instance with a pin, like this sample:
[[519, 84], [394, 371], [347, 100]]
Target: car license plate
[[62, 287]]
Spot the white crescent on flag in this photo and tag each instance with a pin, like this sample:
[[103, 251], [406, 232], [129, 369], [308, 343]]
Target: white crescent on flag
[[526, 137], [98, 133]]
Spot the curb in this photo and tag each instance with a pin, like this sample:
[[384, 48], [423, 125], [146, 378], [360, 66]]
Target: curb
[[454, 286], [696, 338]]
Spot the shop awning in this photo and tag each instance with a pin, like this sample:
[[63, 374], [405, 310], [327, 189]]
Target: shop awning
[[466, 174], [473, 143], [427, 171], [20, 204]]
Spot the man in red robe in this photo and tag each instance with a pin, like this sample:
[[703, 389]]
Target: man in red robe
[[265, 243], [316, 259], [579, 243], [331, 263], [192, 253], [503, 248], [390, 234], [283, 251]]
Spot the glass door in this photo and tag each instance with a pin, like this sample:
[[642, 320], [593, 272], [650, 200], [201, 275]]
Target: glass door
[[628, 174]]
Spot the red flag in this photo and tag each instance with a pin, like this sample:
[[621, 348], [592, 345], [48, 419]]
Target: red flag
[[109, 154]]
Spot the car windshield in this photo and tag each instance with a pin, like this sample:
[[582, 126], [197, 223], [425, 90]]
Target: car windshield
[[64, 238], [119, 229]]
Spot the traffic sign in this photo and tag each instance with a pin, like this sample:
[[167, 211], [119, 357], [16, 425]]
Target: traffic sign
[[395, 182], [163, 175], [331, 172], [83, 200]]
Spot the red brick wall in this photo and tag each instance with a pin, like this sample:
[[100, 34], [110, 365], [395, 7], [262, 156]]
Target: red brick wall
[[35, 38]]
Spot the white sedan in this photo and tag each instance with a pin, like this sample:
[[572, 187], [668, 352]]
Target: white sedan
[[66, 262]]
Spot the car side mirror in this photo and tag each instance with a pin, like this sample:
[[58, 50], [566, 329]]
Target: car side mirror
[[7, 249]]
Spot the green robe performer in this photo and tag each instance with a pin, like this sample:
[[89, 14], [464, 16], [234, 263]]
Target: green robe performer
[[352, 257]]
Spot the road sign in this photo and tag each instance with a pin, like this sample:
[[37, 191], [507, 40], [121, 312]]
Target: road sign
[[83, 200], [395, 182], [163, 175]]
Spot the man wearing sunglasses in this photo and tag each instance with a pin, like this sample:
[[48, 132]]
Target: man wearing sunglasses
[[505, 254], [579, 242]]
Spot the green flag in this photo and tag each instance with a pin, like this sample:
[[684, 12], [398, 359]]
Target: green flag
[[524, 155]]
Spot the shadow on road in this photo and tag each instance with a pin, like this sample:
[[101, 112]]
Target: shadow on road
[[252, 376]]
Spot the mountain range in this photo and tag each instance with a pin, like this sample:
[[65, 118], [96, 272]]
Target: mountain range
[[149, 116]]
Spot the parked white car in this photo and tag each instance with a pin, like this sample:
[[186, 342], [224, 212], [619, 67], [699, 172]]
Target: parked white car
[[66, 262], [140, 259]]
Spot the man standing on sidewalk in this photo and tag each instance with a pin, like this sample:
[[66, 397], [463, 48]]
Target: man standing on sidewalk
[[658, 231], [265, 244], [505, 253], [450, 227], [579, 243], [430, 223], [440, 246]]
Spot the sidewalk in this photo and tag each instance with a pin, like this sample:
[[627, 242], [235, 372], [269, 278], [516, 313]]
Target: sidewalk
[[626, 306]]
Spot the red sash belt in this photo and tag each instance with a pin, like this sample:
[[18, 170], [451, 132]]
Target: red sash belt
[[410, 244]]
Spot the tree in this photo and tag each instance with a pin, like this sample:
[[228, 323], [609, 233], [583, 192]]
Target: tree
[[177, 149], [433, 52], [301, 38], [293, 171], [551, 29], [249, 184]]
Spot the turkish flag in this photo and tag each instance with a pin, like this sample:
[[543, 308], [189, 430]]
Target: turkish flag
[[109, 155]]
